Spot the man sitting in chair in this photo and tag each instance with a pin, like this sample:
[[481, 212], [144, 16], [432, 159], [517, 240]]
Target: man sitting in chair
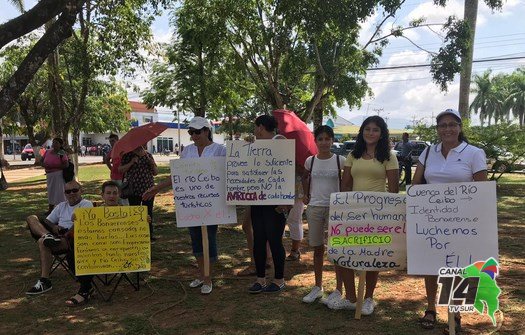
[[111, 196], [50, 233]]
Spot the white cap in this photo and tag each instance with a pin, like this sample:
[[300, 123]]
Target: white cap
[[449, 111], [199, 122]]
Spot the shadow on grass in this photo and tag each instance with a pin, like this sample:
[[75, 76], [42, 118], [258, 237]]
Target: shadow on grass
[[166, 305]]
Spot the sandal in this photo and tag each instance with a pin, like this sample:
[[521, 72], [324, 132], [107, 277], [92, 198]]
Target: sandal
[[78, 299], [294, 255], [427, 323], [457, 320]]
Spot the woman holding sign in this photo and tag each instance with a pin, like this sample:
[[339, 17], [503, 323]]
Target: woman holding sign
[[453, 160], [200, 131], [268, 224], [367, 168]]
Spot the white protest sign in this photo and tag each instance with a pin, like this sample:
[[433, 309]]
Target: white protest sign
[[450, 225], [367, 231], [198, 189], [260, 173]]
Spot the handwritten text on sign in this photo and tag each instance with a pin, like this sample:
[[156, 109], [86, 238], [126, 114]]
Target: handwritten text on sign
[[260, 173], [367, 231], [199, 192], [112, 240], [450, 225]]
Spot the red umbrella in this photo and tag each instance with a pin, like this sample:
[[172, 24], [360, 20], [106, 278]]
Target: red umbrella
[[292, 127], [136, 137]]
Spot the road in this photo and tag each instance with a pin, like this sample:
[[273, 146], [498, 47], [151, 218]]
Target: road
[[17, 161]]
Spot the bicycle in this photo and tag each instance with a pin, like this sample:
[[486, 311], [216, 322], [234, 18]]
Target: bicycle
[[402, 171]]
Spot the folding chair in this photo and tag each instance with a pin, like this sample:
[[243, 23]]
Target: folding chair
[[60, 260], [107, 279]]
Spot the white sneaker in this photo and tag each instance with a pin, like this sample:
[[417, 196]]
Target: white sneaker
[[196, 283], [368, 306], [315, 293], [335, 295], [206, 289], [341, 304]]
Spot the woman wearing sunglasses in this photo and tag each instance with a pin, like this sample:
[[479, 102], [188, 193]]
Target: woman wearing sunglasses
[[200, 131], [453, 160]]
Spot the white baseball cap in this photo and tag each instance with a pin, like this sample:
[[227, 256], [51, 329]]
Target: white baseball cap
[[199, 122], [449, 111]]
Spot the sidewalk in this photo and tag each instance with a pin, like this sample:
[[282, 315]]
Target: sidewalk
[[19, 174], [19, 171]]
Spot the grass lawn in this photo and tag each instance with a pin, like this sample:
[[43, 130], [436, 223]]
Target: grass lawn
[[166, 305]]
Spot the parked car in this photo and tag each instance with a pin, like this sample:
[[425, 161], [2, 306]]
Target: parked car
[[348, 146], [499, 160], [337, 148], [28, 152], [417, 149]]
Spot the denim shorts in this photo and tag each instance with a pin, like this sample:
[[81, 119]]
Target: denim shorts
[[196, 241]]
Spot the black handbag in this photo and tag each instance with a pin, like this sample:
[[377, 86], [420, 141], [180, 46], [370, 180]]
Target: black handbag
[[423, 180], [126, 190], [68, 173], [3, 181]]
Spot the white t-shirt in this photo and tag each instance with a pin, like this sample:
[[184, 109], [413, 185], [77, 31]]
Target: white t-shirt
[[212, 150], [62, 213], [324, 178], [461, 163]]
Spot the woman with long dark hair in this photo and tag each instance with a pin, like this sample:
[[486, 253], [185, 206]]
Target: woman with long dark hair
[[368, 168], [139, 169]]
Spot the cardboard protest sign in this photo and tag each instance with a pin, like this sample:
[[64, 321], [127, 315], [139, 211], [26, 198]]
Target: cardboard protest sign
[[112, 239], [199, 192], [450, 225], [260, 173], [367, 231]]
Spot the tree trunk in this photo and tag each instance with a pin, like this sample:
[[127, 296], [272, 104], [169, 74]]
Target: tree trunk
[[75, 145], [42, 12], [202, 86], [470, 15], [1, 141], [318, 115], [58, 32], [58, 112]]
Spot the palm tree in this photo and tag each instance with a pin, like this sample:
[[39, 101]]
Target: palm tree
[[501, 87], [516, 98], [483, 89]]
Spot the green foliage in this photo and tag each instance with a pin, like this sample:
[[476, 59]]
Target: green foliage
[[499, 97], [107, 108], [426, 133], [32, 107], [447, 62], [300, 54], [504, 145]]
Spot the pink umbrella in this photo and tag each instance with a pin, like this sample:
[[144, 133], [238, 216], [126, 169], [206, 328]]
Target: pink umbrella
[[136, 137], [292, 127]]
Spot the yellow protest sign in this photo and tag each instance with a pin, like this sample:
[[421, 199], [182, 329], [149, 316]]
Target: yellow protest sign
[[112, 240]]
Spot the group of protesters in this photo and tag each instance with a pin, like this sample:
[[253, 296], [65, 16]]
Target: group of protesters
[[371, 166]]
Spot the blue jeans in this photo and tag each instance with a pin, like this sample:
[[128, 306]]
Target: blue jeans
[[196, 241]]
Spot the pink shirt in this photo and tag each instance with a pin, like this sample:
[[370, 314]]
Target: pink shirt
[[115, 164], [53, 162]]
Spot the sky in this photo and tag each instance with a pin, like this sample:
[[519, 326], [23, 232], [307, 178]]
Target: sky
[[404, 96]]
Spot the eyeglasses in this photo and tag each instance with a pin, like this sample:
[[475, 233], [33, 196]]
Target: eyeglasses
[[195, 131], [73, 190], [448, 125]]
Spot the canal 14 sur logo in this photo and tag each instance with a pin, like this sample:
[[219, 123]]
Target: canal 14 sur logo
[[471, 289]]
